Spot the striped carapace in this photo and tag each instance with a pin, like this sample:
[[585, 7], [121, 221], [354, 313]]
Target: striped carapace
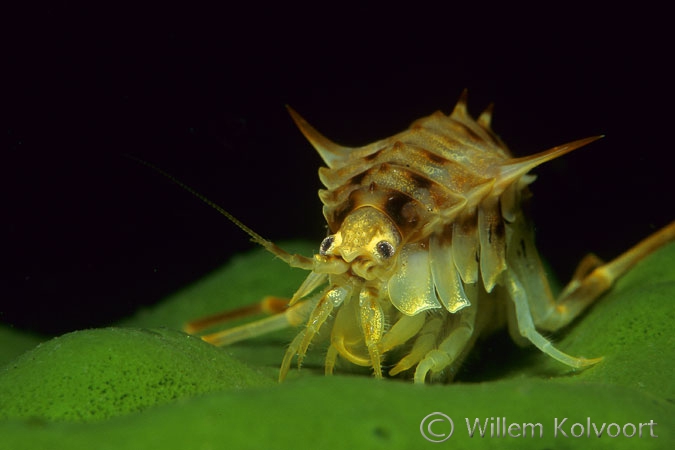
[[428, 250]]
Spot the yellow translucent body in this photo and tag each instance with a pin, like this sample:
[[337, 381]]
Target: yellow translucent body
[[428, 251]]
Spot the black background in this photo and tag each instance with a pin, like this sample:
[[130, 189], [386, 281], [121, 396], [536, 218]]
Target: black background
[[89, 236]]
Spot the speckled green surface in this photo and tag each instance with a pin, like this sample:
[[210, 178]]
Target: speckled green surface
[[96, 374], [141, 386]]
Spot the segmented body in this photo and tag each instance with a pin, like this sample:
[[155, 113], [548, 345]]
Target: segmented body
[[428, 251], [423, 225]]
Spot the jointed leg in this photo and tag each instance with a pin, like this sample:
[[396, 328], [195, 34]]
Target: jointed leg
[[592, 278], [290, 317], [403, 330], [425, 342], [527, 329], [372, 323], [451, 348], [347, 337], [301, 342], [330, 300], [268, 305], [331, 357]]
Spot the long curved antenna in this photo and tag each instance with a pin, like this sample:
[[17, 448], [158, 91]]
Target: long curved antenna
[[293, 260]]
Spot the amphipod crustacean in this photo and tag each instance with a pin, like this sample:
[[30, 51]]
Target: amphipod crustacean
[[428, 250]]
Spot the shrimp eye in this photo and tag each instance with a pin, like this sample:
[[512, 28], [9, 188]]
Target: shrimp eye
[[385, 249], [326, 244]]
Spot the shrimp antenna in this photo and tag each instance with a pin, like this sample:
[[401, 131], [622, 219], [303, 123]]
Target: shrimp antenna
[[293, 260]]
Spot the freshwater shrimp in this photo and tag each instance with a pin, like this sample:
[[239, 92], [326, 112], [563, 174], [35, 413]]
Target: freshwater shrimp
[[428, 250]]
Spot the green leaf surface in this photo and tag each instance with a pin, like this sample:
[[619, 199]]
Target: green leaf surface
[[145, 384]]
